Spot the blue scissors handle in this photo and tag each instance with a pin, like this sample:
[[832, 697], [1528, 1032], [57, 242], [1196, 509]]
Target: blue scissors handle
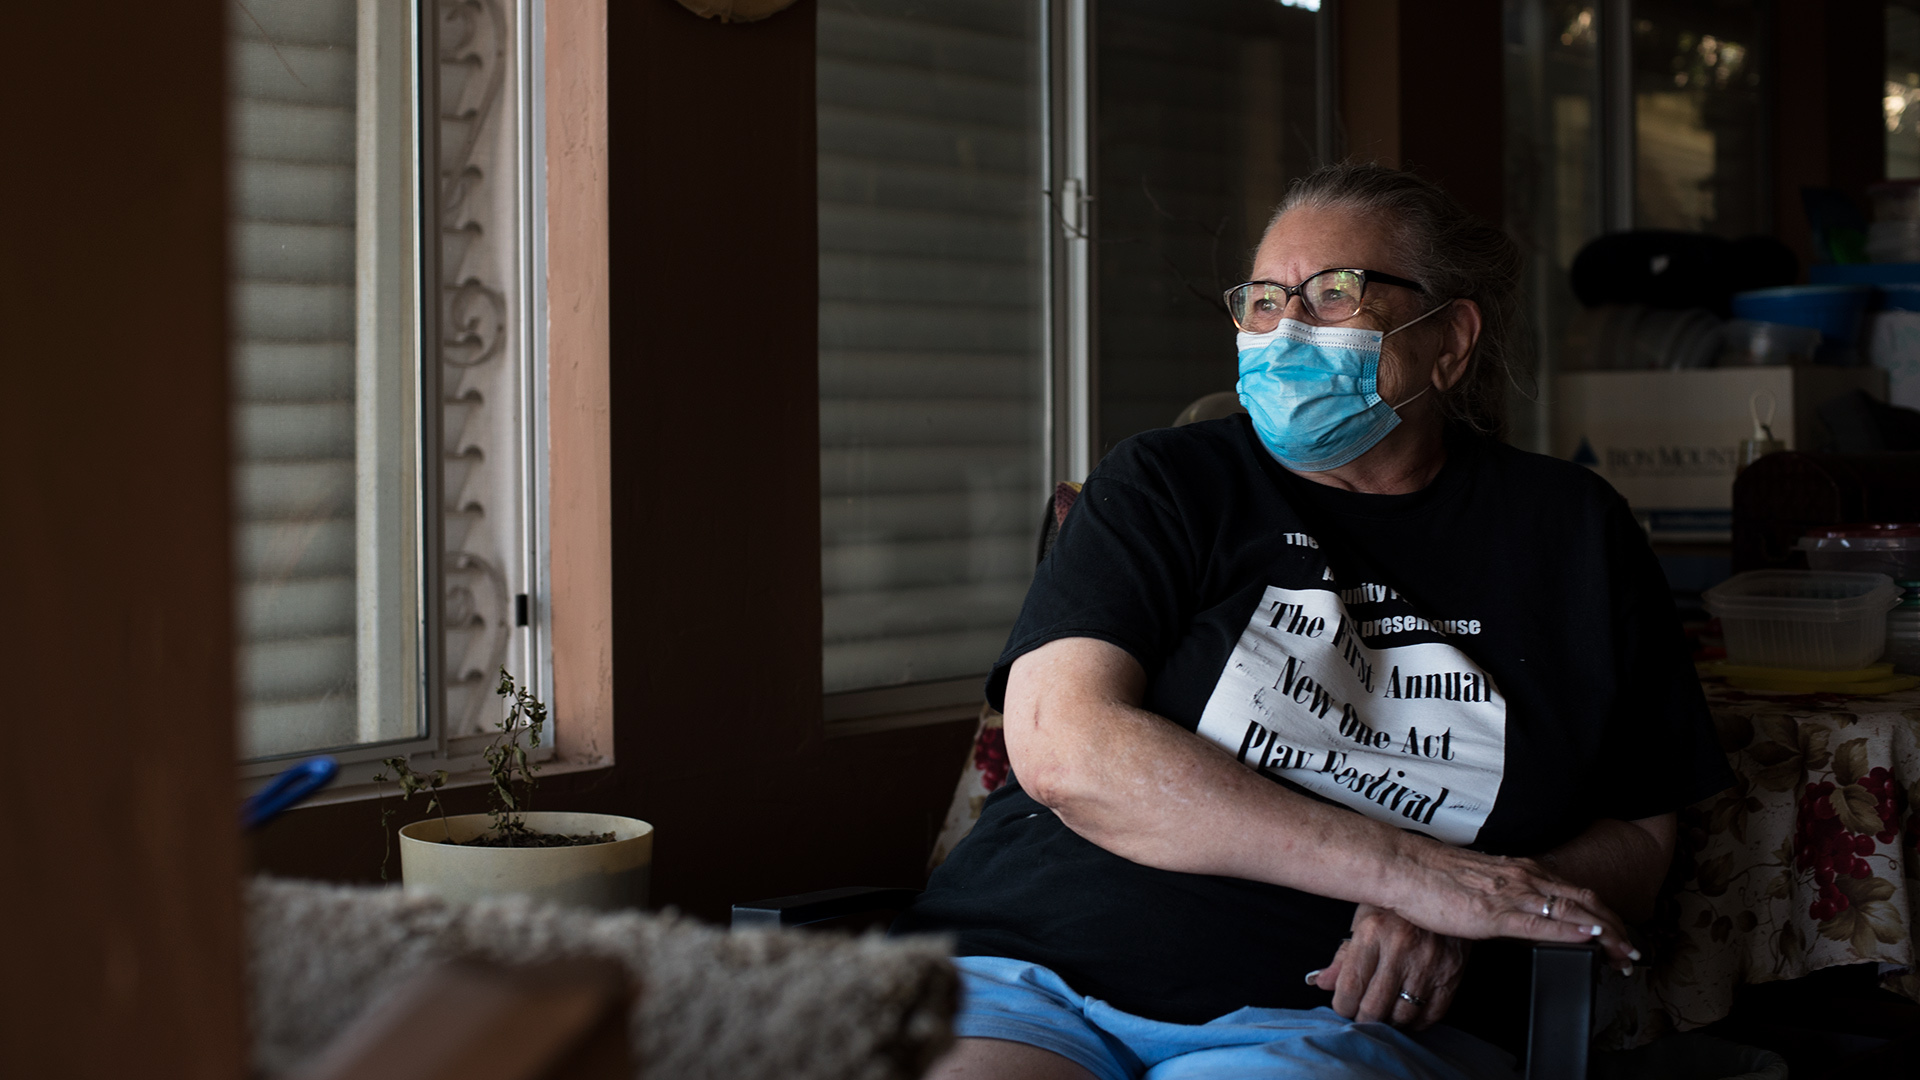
[[286, 789]]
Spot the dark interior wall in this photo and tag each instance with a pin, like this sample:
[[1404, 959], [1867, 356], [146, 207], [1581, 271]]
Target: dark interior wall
[[121, 884], [716, 512], [1828, 124], [716, 486], [1452, 129], [1420, 88]]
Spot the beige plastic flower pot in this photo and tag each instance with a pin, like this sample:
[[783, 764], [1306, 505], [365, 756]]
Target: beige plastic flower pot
[[602, 876]]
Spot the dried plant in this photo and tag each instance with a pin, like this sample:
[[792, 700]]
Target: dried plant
[[509, 765], [507, 758], [410, 783]]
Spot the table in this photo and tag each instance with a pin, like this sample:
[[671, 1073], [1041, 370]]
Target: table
[[1807, 862]]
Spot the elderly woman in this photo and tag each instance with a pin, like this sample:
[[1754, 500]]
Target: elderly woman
[[1304, 703]]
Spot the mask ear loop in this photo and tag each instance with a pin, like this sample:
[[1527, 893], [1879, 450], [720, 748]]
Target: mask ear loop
[[1411, 400], [1403, 326], [1416, 319]]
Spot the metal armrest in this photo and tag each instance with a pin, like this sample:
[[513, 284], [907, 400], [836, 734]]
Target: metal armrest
[[1561, 1026], [820, 906]]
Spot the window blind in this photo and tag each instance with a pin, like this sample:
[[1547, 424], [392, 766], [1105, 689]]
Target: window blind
[[932, 332], [1205, 112], [293, 88]]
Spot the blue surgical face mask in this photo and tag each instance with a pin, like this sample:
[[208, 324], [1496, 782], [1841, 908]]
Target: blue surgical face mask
[[1313, 392]]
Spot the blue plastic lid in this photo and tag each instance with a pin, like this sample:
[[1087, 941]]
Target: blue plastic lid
[[1834, 310]]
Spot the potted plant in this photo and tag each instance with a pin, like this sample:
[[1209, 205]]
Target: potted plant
[[583, 860]]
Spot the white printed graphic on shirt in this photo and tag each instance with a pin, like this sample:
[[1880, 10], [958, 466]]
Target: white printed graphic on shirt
[[1413, 735]]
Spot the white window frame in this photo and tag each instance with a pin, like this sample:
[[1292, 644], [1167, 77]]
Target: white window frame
[[531, 655]]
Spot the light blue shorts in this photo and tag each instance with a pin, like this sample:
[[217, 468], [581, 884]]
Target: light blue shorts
[[1026, 1003]]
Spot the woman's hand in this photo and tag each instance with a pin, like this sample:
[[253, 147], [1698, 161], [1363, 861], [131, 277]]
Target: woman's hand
[[1388, 957], [1466, 894]]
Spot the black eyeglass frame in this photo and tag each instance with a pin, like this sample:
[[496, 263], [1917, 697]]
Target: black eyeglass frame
[[1367, 277]]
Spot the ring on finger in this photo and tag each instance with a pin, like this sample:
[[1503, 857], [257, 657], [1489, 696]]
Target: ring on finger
[[1546, 909], [1412, 999]]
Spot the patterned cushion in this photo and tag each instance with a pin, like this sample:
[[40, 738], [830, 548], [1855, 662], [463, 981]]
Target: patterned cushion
[[987, 768]]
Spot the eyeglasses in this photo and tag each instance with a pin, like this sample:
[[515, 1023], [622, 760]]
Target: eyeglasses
[[1331, 296]]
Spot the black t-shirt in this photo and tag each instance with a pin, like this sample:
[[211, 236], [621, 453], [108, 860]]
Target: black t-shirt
[[1493, 661]]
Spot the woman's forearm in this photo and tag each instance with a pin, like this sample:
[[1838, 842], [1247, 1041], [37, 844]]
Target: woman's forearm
[[1623, 861], [1159, 795]]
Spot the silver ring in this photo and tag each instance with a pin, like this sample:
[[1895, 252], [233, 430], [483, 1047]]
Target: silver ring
[[1412, 999], [1546, 909]]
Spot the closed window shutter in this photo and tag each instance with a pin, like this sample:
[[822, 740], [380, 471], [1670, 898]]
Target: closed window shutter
[[931, 333], [293, 143]]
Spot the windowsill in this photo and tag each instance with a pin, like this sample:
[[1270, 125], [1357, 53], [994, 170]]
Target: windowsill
[[466, 778], [891, 708], [870, 725]]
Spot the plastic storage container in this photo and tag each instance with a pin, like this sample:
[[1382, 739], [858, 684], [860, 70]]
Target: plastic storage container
[[1893, 241], [1812, 619], [1895, 200], [1892, 549], [1745, 342], [1903, 630], [1834, 310]]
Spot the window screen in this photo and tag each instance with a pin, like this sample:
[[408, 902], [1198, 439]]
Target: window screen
[[368, 430], [1204, 113], [932, 331], [322, 269]]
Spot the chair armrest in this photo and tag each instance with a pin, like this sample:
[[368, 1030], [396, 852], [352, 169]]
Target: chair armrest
[[820, 906], [1558, 1033], [1561, 1027]]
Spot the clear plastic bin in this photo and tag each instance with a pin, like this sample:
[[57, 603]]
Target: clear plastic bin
[[1820, 620], [1891, 549], [1903, 630]]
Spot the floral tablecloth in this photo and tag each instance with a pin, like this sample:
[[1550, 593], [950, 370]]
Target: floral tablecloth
[[1807, 862]]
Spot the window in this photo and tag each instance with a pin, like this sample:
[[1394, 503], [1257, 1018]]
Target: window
[[1556, 194], [1626, 114], [1205, 112], [1902, 102], [386, 426], [933, 340], [1698, 119], [995, 308]]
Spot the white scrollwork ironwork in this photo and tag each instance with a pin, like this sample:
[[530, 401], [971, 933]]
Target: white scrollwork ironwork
[[478, 309]]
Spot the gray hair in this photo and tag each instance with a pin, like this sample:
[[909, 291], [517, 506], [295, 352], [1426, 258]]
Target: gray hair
[[1451, 252]]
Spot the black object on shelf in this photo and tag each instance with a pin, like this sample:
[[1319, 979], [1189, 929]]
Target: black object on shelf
[[1858, 423], [1678, 270], [1779, 497]]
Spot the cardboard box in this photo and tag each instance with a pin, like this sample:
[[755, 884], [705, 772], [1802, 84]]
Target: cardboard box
[[1670, 440]]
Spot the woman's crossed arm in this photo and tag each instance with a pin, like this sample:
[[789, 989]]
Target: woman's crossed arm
[[1152, 792]]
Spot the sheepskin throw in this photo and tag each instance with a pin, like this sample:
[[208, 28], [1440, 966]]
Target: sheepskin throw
[[739, 1006]]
